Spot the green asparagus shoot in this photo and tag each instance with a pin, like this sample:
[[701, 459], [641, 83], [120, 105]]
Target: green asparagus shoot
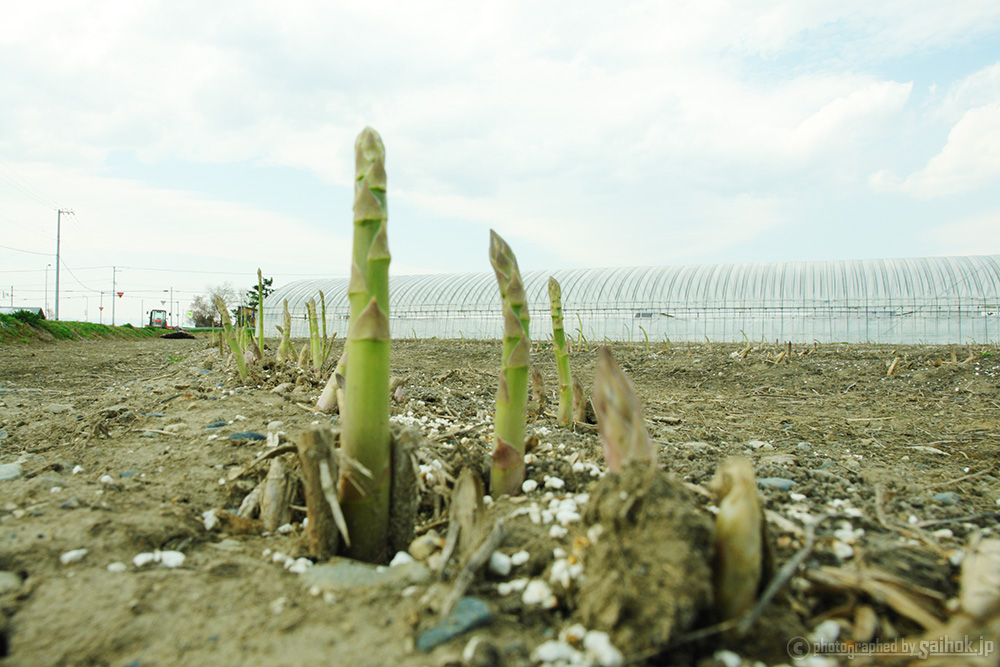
[[365, 413], [507, 471], [260, 311], [564, 414]]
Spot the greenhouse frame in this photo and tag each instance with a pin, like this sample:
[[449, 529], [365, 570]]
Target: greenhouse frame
[[937, 300]]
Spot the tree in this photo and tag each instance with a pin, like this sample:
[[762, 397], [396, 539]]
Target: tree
[[253, 294], [203, 310], [246, 313]]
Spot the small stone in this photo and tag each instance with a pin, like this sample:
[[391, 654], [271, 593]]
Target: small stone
[[74, 556], [106, 479], [171, 558], [947, 498], [129, 473], [500, 563], [728, 658], [70, 504], [9, 471], [217, 424], [9, 581], [469, 613], [779, 483], [283, 388], [537, 592], [117, 567], [803, 446], [598, 644], [56, 408], [519, 558], [529, 485], [556, 652]]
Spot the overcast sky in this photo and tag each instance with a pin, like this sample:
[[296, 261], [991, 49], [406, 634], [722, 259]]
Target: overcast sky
[[196, 142]]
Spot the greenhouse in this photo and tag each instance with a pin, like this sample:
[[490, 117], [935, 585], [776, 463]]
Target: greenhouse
[[918, 300]]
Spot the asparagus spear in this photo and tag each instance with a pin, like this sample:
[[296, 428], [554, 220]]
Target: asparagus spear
[[365, 414], [234, 346], [739, 537], [260, 311], [507, 472], [619, 415], [285, 349], [564, 414]]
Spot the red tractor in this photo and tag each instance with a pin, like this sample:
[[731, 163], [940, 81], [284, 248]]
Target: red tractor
[[158, 319]]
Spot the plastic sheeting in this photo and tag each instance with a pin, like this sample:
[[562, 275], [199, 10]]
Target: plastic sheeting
[[918, 300]]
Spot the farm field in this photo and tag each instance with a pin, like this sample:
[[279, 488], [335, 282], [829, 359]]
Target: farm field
[[106, 446]]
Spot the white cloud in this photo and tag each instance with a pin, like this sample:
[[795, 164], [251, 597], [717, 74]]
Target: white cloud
[[970, 160], [972, 235]]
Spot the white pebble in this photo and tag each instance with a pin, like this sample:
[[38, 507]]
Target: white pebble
[[841, 550], [278, 557], [171, 558], [537, 592], [728, 658], [557, 532], [117, 567], [574, 634], [145, 558], [300, 565], [210, 518], [106, 479], [77, 469], [74, 556], [564, 516], [943, 533], [826, 632], [513, 586], [529, 485], [554, 483], [598, 644], [285, 528], [401, 558], [519, 558], [795, 497], [500, 563], [554, 651]]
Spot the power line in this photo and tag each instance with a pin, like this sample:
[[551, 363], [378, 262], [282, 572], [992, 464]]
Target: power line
[[26, 187], [30, 252]]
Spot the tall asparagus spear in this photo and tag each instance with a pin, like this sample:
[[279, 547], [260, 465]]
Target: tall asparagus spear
[[619, 415], [234, 345], [260, 311], [507, 472], [365, 415], [564, 415], [285, 349]]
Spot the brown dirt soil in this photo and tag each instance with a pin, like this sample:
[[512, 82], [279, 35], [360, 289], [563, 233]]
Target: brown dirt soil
[[904, 464]]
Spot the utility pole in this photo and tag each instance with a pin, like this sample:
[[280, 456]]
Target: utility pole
[[59, 214]]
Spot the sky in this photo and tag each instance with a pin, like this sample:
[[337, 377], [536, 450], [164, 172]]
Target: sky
[[197, 142]]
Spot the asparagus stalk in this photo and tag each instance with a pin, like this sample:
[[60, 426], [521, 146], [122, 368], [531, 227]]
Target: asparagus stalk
[[260, 312], [507, 472], [564, 414], [234, 346], [739, 538], [619, 415], [285, 349], [315, 344], [365, 414]]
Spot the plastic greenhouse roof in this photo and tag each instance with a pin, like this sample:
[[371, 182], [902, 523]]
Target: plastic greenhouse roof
[[915, 281]]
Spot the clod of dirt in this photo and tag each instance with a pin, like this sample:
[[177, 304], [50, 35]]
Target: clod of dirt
[[648, 573]]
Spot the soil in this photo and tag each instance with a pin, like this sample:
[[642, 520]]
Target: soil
[[895, 446]]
